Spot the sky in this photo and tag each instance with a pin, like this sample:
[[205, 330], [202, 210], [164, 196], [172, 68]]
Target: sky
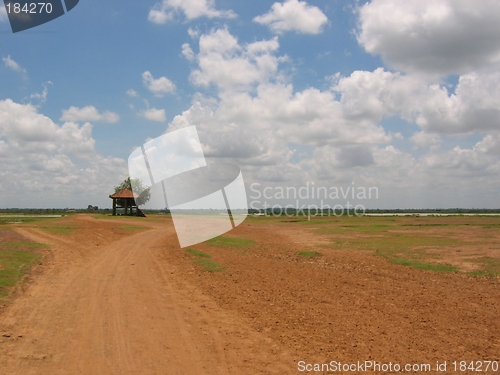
[[401, 96]]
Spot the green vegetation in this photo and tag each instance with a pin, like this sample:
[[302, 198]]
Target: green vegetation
[[488, 267], [308, 254], [198, 253], [392, 243], [230, 242], [209, 266], [4, 220], [111, 217], [22, 245], [422, 265], [153, 217], [136, 185], [59, 230], [13, 265], [416, 242]]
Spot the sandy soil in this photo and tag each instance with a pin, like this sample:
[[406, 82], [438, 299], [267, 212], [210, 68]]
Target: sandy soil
[[109, 301]]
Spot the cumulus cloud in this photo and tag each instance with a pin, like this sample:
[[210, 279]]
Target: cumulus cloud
[[49, 165], [41, 96], [462, 163], [166, 10], [258, 120], [432, 36], [188, 52], [355, 156], [193, 33], [257, 114], [11, 64], [473, 106], [366, 94], [489, 145], [293, 15], [88, 113], [154, 114], [222, 61], [132, 93], [159, 86], [425, 140]]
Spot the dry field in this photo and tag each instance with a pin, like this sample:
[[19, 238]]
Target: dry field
[[118, 296]]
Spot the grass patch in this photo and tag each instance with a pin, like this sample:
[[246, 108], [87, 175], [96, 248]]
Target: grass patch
[[209, 266], [413, 257], [13, 265], [22, 245], [59, 230], [115, 217], [308, 254], [489, 267], [230, 242], [407, 241], [423, 265], [149, 217], [198, 253], [26, 220]]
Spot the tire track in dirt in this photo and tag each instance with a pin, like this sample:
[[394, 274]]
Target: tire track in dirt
[[122, 308], [222, 363]]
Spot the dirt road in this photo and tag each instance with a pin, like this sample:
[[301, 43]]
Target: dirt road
[[107, 303], [118, 296]]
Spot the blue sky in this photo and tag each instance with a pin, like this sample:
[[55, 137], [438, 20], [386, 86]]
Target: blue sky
[[399, 95]]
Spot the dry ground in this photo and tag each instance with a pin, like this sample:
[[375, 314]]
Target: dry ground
[[114, 298]]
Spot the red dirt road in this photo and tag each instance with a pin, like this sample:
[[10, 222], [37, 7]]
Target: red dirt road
[[110, 300], [107, 304]]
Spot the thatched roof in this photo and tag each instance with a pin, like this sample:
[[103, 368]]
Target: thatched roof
[[125, 193]]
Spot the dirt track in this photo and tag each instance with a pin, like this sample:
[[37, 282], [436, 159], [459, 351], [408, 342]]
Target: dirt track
[[117, 309], [112, 302]]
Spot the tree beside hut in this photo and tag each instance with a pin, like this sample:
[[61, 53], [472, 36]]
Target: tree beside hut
[[124, 197]]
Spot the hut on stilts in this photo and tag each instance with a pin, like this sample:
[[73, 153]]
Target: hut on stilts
[[125, 199]]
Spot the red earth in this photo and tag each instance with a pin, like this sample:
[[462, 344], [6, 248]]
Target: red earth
[[111, 298]]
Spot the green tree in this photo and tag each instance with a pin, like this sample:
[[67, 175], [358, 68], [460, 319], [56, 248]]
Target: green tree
[[137, 187]]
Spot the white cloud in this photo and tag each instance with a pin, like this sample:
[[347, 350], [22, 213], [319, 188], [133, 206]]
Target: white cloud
[[132, 93], [432, 36], [405, 181], [193, 33], [41, 97], [159, 86], [424, 140], [255, 126], [462, 163], [260, 122], [11, 64], [489, 145], [293, 15], [230, 66], [473, 106], [154, 114], [188, 52], [88, 113], [372, 95], [50, 165], [166, 10]]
